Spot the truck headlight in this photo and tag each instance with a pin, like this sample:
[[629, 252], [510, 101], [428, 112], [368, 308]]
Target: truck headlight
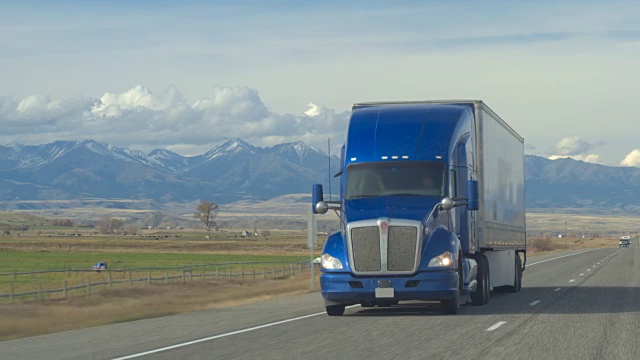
[[443, 260], [329, 262]]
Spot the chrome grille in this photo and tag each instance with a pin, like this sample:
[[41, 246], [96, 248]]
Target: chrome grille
[[386, 246], [366, 248], [401, 248]]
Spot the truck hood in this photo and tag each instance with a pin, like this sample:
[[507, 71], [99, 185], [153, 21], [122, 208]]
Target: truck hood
[[399, 207]]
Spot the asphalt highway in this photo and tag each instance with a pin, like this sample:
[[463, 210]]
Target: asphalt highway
[[582, 304]]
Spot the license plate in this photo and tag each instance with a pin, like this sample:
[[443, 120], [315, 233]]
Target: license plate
[[384, 292]]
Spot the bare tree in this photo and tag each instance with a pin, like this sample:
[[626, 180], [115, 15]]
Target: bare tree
[[206, 212], [108, 225], [132, 229]]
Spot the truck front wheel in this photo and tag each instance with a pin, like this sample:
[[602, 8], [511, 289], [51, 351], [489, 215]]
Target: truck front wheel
[[481, 295], [452, 306], [335, 310]]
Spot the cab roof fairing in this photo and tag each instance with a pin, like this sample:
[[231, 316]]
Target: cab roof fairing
[[396, 132]]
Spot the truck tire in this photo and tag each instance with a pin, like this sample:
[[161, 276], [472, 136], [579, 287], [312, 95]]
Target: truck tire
[[452, 306], [335, 310], [481, 295]]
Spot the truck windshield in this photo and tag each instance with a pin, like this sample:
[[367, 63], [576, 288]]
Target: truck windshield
[[409, 178]]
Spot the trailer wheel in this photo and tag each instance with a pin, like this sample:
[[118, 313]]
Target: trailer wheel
[[335, 310], [481, 295]]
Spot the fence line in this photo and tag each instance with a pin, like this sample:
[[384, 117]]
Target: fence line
[[147, 268], [278, 270]]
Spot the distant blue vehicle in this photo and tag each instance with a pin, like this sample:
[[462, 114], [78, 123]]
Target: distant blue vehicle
[[431, 207]]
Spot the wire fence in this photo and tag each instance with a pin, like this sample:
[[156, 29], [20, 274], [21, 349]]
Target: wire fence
[[37, 284]]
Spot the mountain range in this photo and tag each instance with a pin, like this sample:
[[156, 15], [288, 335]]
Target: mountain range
[[235, 170], [231, 170]]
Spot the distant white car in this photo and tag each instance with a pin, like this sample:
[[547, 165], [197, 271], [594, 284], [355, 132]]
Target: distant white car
[[100, 266]]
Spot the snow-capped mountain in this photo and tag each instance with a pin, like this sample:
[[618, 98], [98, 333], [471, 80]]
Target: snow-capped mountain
[[232, 169]]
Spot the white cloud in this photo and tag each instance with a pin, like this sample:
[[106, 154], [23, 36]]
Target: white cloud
[[590, 158], [632, 159], [141, 119], [314, 110], [574, 148], [570, 146]]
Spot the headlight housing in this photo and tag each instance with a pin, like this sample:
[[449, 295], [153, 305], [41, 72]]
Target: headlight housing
[[331, 263], [443, 260]]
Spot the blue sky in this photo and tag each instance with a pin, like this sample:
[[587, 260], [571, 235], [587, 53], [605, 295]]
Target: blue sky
[[180, 75]]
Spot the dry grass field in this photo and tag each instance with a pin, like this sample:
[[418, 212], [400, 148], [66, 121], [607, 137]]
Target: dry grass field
[[107, 306], [22, 318]]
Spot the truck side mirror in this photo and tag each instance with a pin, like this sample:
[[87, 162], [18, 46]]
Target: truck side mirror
[[472, 194], [318, 206]]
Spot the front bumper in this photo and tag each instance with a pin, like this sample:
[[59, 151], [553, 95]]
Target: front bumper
[[344, 288]]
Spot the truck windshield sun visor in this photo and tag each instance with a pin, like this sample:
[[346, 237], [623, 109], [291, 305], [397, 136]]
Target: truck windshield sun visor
[[401, 178]]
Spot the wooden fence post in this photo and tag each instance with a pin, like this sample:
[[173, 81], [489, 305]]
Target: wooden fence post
[[11, 292], [130, 280], [216, 272], [254, 273], [88, 287], [40, 291], [64, 289], [149, 277], [241, 272], [166, 277]]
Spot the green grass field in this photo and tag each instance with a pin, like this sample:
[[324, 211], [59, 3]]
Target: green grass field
[[11, 262]]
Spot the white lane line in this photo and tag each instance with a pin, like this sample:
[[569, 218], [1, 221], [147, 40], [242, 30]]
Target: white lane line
[[572, 280], [557, 289], [560, 257], [535, 303], [221, 336], [496, 325]]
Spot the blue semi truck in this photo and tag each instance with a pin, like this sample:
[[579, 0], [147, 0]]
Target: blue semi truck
[[431, 207]]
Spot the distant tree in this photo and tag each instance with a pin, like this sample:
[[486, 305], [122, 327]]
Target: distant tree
[[108, 225], [206, 212], [132, 229], [61, 222]]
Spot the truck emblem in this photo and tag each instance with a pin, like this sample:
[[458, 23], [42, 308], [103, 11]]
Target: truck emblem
[[383, 227]]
